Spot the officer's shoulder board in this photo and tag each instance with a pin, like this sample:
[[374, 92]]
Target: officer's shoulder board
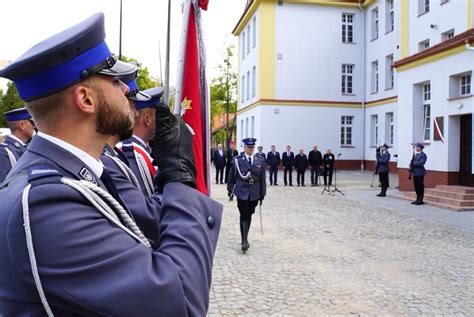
[[43, 174]]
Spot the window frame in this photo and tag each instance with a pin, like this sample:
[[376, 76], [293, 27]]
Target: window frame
[[426, 106], [347, 77], [346, 130]]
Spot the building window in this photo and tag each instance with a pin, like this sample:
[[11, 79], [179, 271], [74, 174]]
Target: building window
[[242, 129], [389, 72], [375, 23], [248, 39], [466, 85], [375, 77], [374, 123], [252, 127], [423, 6], [447, 35], [248, 85], [254, 31], [246, 127], [389, 128], [346, 83], [254, 71], [242, 90], [346, 130], [389, 16], [423, 45], [426, 111], [347, 28], [243, 45]]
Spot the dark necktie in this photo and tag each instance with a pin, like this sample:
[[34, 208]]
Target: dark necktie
[[250, 160]]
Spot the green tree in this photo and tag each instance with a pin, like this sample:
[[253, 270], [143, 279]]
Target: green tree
[[9, 101], [223, 94], [144, 79]]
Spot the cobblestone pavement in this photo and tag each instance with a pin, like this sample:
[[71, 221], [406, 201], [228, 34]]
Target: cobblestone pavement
[[334, 255]]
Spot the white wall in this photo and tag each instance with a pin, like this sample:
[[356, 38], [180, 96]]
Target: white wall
[[441, 156], [381, 112], [249, 60], [452, 14], [310, 53], [305, 126]]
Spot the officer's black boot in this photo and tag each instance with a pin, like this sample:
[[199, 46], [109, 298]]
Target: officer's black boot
[[242, 234], [417, 200], [247, 234], [245, 231]]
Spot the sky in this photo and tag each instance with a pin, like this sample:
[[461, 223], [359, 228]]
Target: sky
[[23, 23]]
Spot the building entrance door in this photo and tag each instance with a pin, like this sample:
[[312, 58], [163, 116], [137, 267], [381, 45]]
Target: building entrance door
[[466, 177]]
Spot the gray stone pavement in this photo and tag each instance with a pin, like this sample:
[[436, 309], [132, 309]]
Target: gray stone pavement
[[343, 255]]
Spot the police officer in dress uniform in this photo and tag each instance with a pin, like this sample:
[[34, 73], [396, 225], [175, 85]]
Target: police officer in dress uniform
[[419, 172], [383, 169], [89, 256], [260, 152], [247, 182], [22, 130], [273, 161], [136, 148]]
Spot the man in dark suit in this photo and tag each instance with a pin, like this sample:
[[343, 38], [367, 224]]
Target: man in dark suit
[[273, 161], [288, 160], [301, 164], [229, 156], [90, 258], [315, 160], [219, 163], [328, 167]]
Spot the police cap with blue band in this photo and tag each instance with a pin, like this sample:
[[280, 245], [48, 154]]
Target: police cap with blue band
[[17, 115], [64, 60], [155, 94], [134, 93], [249, 141]]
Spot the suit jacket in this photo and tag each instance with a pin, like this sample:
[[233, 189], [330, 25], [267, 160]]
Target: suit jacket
[[288, 161], [87, 265], [328, 161], [273, 159], [15, 148], [243, 189], [419, 161], [301, 162], [230, 154], [383, 162], [219, 160], [315, 159]]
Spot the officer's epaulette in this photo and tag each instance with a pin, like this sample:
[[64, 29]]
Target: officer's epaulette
[[43, 175]]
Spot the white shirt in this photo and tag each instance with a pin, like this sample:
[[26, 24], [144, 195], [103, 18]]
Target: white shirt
[[95, 165], [247, 158], [16, 139]]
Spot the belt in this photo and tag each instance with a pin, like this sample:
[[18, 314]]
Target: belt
[[250, 181]]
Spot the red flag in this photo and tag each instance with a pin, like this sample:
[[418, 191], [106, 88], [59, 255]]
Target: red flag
[[191, 100], [203, 4]]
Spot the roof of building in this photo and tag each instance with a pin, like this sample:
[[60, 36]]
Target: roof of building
[[220, 121], [466, 37]]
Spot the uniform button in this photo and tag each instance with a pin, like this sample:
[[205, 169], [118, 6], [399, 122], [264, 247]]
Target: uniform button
[[211, 222]]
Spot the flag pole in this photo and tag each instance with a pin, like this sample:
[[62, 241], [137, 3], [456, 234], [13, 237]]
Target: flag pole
[[182, 54], [167, 61]]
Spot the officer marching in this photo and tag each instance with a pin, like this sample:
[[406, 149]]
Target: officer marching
[[247, 182]]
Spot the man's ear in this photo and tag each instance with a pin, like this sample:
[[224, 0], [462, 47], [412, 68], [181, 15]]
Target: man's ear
[[85, 99]]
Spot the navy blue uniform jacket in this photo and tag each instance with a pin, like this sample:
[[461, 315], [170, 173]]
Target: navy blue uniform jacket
[[243, 189], [15, 148], [90, 267], [419, 164], [383, 162]]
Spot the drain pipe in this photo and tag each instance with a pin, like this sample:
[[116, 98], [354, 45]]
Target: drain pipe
[[362, 161]]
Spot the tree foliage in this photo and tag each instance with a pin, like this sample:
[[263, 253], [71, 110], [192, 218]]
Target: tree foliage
[[223, 94], [9, 101], [144, 79]]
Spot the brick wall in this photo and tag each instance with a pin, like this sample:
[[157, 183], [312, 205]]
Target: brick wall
[[432, 178]]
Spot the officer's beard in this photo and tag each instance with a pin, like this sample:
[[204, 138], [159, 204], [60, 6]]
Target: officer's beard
[[112, 121]]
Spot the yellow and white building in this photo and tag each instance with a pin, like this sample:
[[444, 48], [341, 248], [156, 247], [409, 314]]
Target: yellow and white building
[[321, 72]]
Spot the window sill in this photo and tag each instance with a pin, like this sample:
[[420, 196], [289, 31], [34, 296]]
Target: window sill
[[349, 43], [421, 14], [444, 2], [374, 39], [374, 92], [425, 143], [348, 94], [388, 32], [390, 88], [347, 146], [373, 146], [460, 97]]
